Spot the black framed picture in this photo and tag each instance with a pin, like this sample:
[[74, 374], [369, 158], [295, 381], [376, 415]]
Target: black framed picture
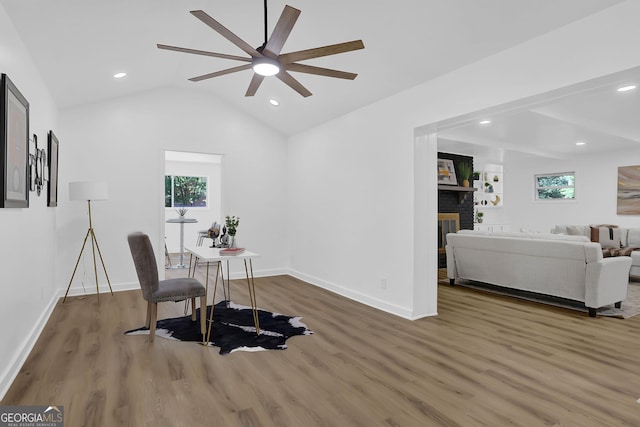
[[14, 143], [52, 192]]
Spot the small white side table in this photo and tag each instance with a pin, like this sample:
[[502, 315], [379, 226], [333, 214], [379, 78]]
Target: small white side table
[[212, 255], [181, 221]]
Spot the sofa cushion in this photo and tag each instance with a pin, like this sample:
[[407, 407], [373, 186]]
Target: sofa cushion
[[578, 230], [633, 238], [635, 256], [563, 237], [572, 230]]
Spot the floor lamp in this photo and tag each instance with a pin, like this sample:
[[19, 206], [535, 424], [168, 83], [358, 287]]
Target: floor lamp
[[89, 191]]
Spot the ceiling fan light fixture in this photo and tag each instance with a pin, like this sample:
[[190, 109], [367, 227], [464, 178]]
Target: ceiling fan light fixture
[[626, 88], [266, 66]]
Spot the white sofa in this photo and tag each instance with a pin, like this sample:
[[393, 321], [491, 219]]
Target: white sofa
[[609, 238], [564, 266]]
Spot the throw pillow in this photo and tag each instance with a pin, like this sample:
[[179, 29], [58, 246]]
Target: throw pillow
[[610, 252], [624, 251], [576, 230], [559, 229], [609, 237], [595, 231]]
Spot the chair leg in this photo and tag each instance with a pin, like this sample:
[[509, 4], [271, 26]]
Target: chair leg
[[193, 309], [203, 315], [154, 320], [148, 323]]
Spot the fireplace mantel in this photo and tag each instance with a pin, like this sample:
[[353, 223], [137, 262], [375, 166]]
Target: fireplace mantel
[[463, 192]]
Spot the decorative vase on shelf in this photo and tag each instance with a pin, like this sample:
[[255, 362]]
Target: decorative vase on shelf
[[232, 242], [465, 183]]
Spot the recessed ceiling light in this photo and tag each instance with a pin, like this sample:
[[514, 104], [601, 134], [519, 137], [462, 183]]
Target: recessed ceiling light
[[274, 102], [485, 122], [119, 75], [581, 143], [626, 88]]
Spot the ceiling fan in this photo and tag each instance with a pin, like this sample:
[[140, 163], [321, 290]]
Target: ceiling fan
[[267, 60]]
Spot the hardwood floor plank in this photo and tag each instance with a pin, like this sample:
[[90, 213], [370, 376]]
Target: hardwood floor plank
[[485, 360]]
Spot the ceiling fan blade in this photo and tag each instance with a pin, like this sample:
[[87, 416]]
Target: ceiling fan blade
[[282, 30], [293, 83], [220, 73], [203, 52], [310, 69], [227, 34], [256, 80], [317, 52]]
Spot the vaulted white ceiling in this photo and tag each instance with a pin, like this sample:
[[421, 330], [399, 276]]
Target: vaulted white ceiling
[[79, 44]]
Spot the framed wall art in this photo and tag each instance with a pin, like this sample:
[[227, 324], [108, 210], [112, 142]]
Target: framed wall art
[[14, 143], [446, 172], [52, 193], [37, 167], [629, 190]]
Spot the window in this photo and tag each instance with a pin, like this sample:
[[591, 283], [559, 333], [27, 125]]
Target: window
[[557, 186], [185, 191]]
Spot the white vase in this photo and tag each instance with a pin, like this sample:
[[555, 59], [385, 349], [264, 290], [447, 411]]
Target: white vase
[[232, 243]]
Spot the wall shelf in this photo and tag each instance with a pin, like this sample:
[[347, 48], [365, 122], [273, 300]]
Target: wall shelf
[[490, 187], [463, 192]]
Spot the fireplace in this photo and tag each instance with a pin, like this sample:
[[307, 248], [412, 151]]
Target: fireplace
[[447, 223]]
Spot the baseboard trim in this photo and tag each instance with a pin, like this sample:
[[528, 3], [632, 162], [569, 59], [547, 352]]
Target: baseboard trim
[[378, 304], [25, 349]]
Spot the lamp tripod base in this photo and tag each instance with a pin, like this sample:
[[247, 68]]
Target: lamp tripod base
[[94, 246]]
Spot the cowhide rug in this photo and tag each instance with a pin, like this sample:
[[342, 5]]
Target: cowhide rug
[[232, 329]]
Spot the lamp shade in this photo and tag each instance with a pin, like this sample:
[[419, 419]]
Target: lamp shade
[[88, 190]]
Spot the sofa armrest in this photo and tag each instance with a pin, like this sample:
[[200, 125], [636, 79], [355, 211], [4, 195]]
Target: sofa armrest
[[452, 273], [606, 281]]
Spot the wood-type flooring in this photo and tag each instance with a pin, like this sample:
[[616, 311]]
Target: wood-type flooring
[[484, 360]]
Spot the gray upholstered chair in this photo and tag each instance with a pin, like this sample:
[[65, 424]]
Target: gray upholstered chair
[[155, 291]]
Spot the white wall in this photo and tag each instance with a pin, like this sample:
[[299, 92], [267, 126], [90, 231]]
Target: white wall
[[350, 216], [27, 252], [123, 142], [596, 192], [351, 180]]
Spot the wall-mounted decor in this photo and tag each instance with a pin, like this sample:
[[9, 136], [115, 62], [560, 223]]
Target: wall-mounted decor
[[629, 190], [37, 163], [14, 143], [446, 172], [52, 193]]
